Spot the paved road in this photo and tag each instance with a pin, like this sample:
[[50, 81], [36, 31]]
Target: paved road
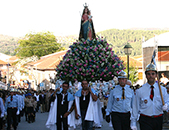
[[41, 118], [39, 123]]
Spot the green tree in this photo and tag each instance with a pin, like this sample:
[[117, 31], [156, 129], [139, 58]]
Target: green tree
[[133, 74], [38, 44], [7, 52]]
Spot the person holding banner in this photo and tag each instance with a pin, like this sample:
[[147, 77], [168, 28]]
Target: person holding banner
[[150, 101]]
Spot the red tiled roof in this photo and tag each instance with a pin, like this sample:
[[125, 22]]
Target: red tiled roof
[[3, 62], [12, 59], [49, 61], [163, 56], [132, 61], [52, 60], [138, 58]]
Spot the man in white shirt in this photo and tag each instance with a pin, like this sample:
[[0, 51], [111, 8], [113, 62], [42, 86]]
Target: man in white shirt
[[120, 104], [148, 103]]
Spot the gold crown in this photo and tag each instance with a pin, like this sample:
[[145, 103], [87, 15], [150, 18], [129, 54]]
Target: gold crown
[[85, 6]]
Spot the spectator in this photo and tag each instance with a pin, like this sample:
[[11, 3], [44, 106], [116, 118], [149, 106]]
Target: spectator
[[42, 100], [163, 79]]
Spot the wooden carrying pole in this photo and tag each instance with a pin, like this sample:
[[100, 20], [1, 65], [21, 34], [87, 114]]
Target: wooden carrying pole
[[161, 94], [153, 60]]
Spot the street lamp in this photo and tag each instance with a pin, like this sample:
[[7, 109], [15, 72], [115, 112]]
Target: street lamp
[[127, 51]]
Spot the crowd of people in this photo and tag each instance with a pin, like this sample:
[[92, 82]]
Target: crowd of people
[[123, 106], [17, 103]]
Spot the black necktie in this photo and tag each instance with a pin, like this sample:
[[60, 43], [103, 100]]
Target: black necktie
[[152, 93], [123, 97], [11, 98]]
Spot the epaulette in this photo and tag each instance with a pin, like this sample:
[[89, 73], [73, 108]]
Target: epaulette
[[132, 87], [112, 88]]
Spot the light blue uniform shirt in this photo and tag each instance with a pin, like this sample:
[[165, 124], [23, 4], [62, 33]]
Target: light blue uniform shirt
[[23, 103], [116, 104], [142, 104], [2, 107], [19, 101], [13, 103]]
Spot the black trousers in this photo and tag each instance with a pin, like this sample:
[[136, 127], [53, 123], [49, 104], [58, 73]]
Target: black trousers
[[26, 113], [37, 108], [30, 110], [62, 122], [148, 123], [11, 117], [1, 123], [120, 121]]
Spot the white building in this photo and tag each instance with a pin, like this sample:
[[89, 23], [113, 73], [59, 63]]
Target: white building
[[159, 43]]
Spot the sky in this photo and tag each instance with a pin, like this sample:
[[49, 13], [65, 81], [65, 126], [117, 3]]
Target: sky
[[62, 17]]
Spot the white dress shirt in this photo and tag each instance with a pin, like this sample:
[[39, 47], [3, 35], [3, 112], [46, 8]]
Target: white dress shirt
[[142, 104]]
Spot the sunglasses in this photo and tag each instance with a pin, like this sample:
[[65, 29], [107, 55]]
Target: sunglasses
[[151, 73], [84, 83]]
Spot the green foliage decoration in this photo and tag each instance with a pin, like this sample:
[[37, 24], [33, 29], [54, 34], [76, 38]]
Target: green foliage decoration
[[91, 60]]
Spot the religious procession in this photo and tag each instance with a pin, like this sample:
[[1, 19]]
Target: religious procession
[[91, 86], [87, 108]]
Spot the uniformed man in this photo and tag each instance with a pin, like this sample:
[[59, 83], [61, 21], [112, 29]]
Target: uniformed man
[[11, 107], [22, 103], [25, 108], [2, 111], [119, 104], [18, 95], [147, 102]]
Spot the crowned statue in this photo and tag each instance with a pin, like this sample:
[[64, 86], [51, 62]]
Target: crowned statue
[[89, 58], [87, 28]]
